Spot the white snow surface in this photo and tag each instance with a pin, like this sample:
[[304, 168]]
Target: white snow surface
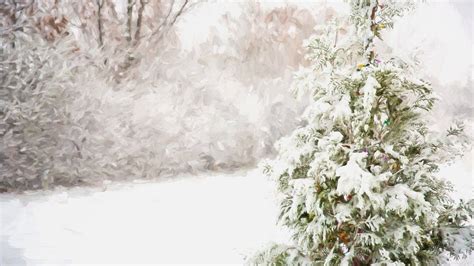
[[218, 218], [204, 219]]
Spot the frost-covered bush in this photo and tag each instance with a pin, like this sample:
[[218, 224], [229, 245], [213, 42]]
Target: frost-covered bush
[[359, 182], [79, 108], [37, 146], [209, 109]]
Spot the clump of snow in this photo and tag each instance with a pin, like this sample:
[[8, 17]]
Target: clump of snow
[[353, 178]]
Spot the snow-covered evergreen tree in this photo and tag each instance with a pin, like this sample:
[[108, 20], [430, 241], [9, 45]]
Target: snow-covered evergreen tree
[[359, 182]]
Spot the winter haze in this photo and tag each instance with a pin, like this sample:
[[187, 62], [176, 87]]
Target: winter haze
[[143, 148]]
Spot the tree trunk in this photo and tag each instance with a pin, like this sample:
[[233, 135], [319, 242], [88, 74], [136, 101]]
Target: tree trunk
[[139, 21], [129, 20], [100, 4]]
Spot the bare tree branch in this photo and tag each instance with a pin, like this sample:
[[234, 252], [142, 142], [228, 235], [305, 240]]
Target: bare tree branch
[[167, 24], [165, 20], [180, 11], [139, 20], [100, 4], [111, 6], [130, 4]]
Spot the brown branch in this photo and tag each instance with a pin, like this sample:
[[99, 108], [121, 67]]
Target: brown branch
[[139, 20], [180, 11], [14, 19], [129, 20], [373, 28], [164, 20], [184, 7], [100, 4]]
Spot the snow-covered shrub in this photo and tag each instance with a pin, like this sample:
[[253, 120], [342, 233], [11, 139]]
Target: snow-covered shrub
[[36, 147], [114, 108], [360, 182]]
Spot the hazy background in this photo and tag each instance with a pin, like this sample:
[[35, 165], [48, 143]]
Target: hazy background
[[208, 90]]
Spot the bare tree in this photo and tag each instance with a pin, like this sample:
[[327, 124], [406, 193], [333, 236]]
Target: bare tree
[[100, 26], [130, 4], [139, 20], [169, 20]]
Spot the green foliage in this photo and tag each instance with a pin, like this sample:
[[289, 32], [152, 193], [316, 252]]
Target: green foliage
[[280, 255], [359, 182]]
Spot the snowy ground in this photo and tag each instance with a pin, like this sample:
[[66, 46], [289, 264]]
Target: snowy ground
[[216, 219], [207, 219]]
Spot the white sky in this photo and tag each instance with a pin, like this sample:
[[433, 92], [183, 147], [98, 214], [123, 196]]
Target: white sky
[[195, 27]]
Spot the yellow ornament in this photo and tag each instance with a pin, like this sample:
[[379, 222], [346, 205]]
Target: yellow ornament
[[395, 167], [381, 26]]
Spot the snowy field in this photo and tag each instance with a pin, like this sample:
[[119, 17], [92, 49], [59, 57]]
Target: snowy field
[[213, 219], [195, 219]]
